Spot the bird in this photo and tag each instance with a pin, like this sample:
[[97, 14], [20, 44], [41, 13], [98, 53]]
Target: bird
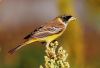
[[47, 32]]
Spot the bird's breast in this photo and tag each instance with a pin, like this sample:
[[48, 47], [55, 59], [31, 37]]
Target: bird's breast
[[51, 38]]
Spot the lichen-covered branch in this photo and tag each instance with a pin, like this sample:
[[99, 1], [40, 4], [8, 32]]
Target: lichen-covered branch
[[56, 57]]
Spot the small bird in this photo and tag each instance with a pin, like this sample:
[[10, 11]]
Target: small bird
[[48, 32]]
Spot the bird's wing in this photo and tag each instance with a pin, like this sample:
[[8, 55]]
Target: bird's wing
[[44, 32], [30, 35]]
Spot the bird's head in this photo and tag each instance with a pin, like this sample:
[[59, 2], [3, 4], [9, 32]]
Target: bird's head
[[66, 18]]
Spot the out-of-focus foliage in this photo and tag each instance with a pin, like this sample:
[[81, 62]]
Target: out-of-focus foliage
[[65, 7], [81, 39], [73, 36]]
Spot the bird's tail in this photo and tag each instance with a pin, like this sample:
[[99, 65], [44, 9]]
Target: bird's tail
[[20, 46]]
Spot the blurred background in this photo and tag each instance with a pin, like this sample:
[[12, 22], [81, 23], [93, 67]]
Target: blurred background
[[81, 39]]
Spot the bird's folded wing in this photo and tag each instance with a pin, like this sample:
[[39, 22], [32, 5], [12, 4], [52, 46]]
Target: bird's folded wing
[[44, 32], [31, 34]]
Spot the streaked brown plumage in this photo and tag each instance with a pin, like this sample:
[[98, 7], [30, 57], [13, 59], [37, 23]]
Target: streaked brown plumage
[[55, 26], [49, 32]]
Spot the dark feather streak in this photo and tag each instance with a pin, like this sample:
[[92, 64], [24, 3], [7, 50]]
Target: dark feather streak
[[30, 35]]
